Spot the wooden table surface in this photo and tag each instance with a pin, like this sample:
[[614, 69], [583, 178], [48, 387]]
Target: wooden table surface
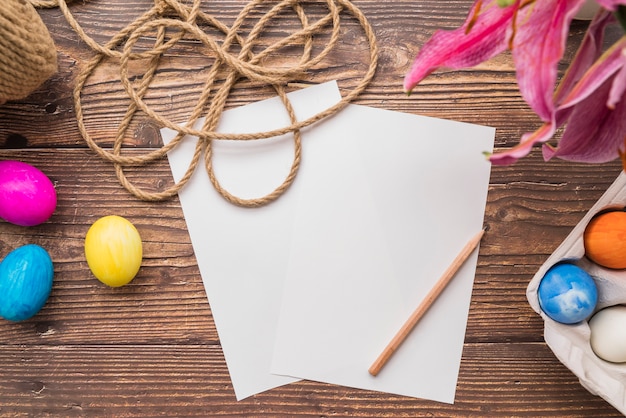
[[151, 348]]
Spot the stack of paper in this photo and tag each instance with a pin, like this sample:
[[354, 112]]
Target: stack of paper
[[314, 285]]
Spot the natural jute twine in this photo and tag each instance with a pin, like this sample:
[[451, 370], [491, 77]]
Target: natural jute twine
[[28, 56], [173, 21]]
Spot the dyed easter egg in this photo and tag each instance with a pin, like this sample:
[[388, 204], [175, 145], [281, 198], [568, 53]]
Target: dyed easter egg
[[608, 333], [567, 293], [113, 250], [605, 240], [27, 196], [26, 275]]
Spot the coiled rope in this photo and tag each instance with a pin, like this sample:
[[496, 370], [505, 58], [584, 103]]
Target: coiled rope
[[172, 21]]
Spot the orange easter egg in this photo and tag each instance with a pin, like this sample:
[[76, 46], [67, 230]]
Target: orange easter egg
[[605, 240]]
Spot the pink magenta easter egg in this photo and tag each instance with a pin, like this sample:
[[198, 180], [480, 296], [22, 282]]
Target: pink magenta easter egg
[[27, 196]]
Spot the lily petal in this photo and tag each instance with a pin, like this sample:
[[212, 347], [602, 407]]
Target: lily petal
[[538, 47], [619, 83], [462, 48], [589, 50], [605, 67], [596, 142], [543, 134]]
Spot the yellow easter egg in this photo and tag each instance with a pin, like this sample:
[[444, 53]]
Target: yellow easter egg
[[113, 250]]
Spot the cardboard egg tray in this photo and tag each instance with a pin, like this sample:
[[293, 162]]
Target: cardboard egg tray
[[570, 343]]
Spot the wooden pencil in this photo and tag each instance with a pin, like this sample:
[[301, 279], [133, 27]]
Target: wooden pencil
[[430, 298]]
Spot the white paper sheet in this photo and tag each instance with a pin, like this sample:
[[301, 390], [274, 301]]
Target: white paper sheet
[[383, 202], [388, 200], [243, 253]]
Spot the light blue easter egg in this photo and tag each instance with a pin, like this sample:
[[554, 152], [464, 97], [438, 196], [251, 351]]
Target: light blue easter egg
[[567, 293], [26, 275]]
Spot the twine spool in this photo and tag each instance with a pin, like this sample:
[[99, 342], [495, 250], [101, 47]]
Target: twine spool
[[28, 55]]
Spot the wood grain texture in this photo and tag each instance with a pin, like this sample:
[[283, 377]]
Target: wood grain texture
[[151, 348]]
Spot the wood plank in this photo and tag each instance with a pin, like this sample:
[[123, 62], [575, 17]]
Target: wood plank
[[192, 380]]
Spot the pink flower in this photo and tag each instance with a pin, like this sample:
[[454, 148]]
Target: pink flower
[[536, 30], [588, 101], [538, 47], [596, 123]]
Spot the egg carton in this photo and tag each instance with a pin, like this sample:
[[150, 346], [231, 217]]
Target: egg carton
[[570, 343]]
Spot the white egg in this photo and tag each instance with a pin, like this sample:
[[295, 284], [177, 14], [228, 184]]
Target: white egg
[[608, 333]]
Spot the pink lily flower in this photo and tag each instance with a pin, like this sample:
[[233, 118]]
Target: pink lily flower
[[538, 47], [536, 31], [588, 99], [588, 103], [596, 126]]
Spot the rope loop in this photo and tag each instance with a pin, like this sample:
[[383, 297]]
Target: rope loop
[[234, 57]]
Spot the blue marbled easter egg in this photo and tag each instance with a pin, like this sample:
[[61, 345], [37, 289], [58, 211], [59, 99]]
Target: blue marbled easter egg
[[26, 275], [567, 293]]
